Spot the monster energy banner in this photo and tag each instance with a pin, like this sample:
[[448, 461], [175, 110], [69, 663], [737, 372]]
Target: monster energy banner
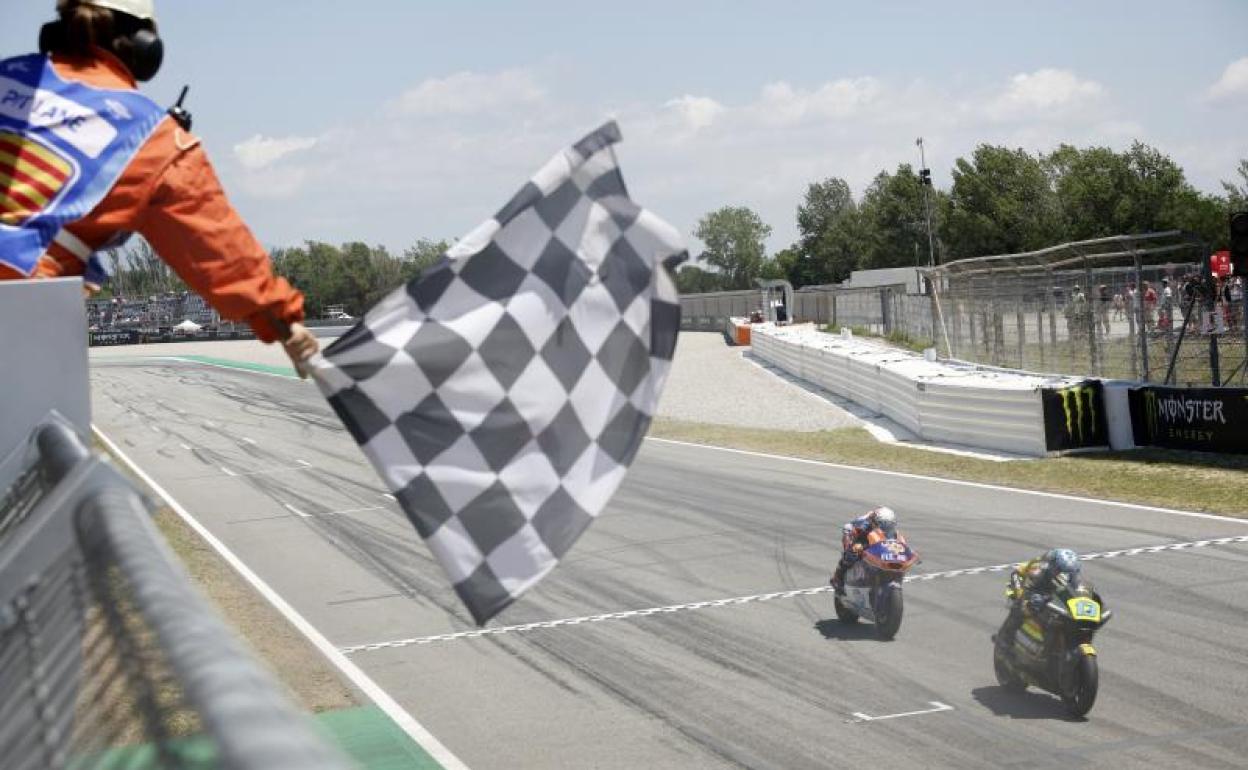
[[1204, 419], [115, 337], [1074, 416]]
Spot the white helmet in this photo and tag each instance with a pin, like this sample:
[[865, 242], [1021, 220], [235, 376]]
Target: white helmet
[[140, 9], [885, 517]]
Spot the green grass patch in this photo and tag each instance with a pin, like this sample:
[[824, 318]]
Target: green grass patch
[[1194, 481]]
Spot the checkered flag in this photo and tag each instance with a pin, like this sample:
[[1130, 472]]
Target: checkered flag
[[503, 394]]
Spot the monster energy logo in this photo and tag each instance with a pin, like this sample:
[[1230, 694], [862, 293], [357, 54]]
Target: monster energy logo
[[1174, 410], [1073, 408]]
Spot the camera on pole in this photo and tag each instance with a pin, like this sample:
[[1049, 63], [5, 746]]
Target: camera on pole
[[925, 177], [1239, 242]]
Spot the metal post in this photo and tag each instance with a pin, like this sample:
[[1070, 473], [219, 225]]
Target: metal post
[[927, 206], [1141, 318], [1174, 350], [1131, 329], [1214, 369], [1090, 313]]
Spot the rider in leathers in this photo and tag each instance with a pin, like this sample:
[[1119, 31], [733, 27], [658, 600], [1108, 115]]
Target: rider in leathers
[[854, 539], [1032, 586]]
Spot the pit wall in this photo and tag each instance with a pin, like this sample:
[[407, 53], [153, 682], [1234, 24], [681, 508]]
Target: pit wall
[[938, 401]]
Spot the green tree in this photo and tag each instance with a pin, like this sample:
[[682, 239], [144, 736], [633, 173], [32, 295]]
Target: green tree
[[1237, 193], [735, 244], [423, 255], [1157, 182], [1001, 202], [1093, 189], [830, 242], [693, 279], [894, 220]]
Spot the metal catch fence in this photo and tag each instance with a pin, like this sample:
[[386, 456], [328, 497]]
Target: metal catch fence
[[1137, 308], [880, 310], [109, 658]]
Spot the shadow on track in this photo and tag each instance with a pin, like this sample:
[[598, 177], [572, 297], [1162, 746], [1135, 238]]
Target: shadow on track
[[834, 629], [1022, 705]]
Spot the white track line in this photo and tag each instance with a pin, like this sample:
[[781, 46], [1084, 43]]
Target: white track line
[[736, 600], [371, 689], [955, 482]]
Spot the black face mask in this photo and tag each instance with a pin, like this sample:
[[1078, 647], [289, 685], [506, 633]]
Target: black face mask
[[139, 48]]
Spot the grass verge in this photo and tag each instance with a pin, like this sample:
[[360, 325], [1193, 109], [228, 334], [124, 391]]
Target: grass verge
[[315, 684], [1193, 481]]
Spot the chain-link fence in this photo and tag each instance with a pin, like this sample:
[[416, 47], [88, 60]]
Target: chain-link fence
[[880, 310], [109, 659], [1128, 307]]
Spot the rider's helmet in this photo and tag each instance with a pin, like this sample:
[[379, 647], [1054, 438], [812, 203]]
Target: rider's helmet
[[1064, 562], [886, 519]]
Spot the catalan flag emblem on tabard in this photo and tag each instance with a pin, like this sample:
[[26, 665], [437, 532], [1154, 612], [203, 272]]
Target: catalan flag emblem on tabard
[[32, 175]]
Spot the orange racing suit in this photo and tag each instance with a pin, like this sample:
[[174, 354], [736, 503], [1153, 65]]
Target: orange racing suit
[[171, 196]]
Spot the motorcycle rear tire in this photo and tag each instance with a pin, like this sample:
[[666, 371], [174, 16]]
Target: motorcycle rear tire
[[888, 615], [1084, 681], [843, 613]]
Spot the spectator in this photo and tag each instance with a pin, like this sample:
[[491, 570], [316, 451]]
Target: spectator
[[1103, 302], [1165, 315], [1150, 307], [1076, 313], [1120, 305], [1235, 302]]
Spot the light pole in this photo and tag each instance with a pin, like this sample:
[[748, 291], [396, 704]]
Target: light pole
[[925, 179]]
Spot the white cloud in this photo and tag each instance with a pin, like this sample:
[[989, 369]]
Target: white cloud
[[260, 152], [782, 104], [1234, 81], [696, 112], [468, 93], [1044, 93]]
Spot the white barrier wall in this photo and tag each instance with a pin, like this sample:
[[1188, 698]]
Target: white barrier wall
[[955, 404]]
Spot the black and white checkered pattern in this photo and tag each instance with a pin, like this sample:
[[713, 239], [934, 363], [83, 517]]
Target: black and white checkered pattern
[[503, 394]]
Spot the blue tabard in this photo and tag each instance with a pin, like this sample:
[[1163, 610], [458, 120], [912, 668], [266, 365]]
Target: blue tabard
[[63, 145]]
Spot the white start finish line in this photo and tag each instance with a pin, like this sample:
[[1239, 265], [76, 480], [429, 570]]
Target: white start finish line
[[936, 708]]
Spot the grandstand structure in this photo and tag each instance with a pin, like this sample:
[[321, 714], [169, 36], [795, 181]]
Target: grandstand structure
[[153, 314]]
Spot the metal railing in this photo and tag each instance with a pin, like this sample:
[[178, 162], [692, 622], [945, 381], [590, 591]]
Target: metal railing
[[109, 658]]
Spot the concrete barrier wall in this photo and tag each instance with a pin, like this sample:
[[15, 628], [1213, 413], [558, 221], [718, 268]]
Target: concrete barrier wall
[[954, 404]]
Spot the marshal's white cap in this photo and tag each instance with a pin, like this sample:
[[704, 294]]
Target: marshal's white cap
[[141, 9]]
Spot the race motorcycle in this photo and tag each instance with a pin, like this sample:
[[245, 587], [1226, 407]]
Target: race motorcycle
[[1053, 648], [873, 584]]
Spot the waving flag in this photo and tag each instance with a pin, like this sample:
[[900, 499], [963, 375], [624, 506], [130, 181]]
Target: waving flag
[[503, 394]]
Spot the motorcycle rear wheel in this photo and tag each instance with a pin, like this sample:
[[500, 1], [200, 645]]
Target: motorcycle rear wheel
[[1084, 682], [843, 613], [888, 615]]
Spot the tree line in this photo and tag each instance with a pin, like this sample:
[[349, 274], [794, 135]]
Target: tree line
[[354, 275], [1001, 201]]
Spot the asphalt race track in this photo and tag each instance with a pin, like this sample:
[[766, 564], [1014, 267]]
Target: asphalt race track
[[263, 463]]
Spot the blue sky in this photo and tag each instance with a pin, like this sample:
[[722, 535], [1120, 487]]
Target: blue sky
[[391, 120]]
